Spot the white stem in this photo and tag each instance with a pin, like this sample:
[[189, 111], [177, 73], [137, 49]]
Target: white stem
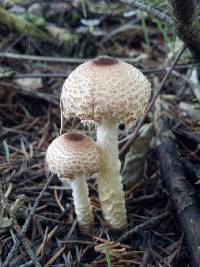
[[110, 187], [83, 207]]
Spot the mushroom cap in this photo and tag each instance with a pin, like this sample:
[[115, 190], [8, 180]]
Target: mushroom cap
[[105, 88], [72, 155]]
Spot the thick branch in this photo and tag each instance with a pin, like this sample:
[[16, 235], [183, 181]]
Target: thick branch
[[181, 192], [187, 24]]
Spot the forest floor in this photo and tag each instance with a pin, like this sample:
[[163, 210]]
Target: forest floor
[[36, 212]]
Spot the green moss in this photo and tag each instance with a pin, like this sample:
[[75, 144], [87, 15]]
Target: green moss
[[20, 25]]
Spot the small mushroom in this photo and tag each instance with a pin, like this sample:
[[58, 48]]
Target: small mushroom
[[73, 157], [106, 91]]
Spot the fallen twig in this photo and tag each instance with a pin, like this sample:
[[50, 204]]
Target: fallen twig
[[27, 222], [58, 253], [133, 136], [188, 136], [26, 242], [50, 98], [15, 76], [150, 10], [70, 60], [144, 225]]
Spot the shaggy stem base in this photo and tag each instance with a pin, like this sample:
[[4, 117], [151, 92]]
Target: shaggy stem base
[[83, 207], [110, 187]]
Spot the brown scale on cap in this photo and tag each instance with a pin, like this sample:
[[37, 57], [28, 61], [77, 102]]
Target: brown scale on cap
[[104, 61], [74, 136]]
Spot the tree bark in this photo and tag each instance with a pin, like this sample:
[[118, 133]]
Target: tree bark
[[187, 24]]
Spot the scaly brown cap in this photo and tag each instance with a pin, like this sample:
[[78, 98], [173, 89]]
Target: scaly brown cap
[[105, 88], [72, 155]]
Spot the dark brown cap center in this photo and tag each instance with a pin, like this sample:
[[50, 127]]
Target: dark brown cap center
[[104, 61], [74, 136]]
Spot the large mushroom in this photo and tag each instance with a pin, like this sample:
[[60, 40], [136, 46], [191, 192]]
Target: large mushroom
[[73, 157], [106, 91]]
